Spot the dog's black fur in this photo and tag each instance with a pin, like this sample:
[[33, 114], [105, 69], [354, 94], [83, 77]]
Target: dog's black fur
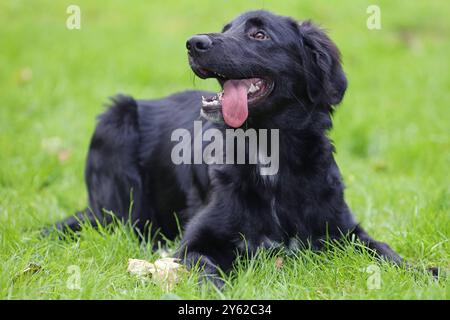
[[218, 206]]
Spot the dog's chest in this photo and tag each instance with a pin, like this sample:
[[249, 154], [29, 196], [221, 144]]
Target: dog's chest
[[263, 227], [279, 221]]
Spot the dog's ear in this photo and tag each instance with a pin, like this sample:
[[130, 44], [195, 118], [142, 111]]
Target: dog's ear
[[325, 80]]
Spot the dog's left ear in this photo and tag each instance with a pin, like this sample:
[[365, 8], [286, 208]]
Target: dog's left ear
[[325, 80]]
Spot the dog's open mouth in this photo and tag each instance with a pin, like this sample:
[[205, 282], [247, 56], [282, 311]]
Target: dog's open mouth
[[233, 102]]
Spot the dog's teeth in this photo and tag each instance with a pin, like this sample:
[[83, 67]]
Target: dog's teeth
[[206, 103], [253, 88], [214, 103]]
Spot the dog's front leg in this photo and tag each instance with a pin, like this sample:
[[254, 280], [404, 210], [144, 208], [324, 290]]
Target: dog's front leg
[[209, 242], [381, 249]]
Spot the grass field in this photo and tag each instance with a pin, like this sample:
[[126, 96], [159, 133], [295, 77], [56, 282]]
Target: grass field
[[391, 133]]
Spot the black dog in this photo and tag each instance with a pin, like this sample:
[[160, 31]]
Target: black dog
[[276, 73]]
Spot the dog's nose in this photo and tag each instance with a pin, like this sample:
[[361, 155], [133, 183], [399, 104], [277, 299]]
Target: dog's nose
[[200, 43]]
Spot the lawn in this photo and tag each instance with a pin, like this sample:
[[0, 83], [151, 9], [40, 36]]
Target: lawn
[[391, 133]]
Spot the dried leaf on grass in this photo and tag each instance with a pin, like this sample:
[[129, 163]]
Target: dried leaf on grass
[[165, 271], [30, 269]]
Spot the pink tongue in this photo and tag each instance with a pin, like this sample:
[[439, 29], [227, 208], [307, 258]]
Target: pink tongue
[[234, 102]]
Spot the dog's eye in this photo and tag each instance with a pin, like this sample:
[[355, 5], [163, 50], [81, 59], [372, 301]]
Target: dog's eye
[[259, 35]]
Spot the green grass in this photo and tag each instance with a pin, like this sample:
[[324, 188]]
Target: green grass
[[391, 133]]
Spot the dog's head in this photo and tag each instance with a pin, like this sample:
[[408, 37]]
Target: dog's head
[[262, 60]]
